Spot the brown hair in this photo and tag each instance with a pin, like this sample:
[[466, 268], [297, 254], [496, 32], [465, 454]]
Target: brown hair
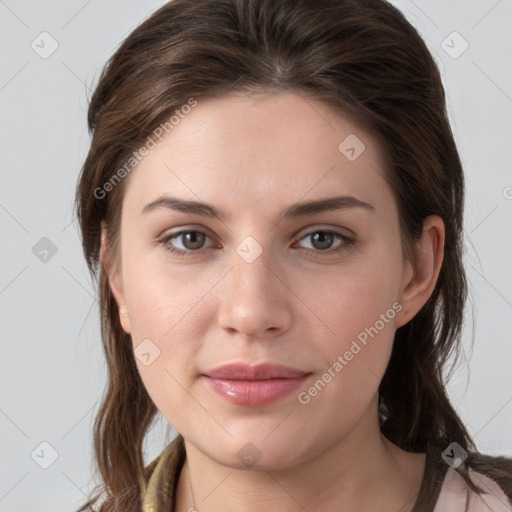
[[361, 57]]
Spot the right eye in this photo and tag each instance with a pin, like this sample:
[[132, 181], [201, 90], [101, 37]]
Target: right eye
[[192, 241]]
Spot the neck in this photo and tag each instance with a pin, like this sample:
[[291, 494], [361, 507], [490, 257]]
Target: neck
[[363, 471]]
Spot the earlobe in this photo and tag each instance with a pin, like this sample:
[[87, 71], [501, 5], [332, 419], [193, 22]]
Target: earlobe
[[115, 281], [124, 319], [419, 281]]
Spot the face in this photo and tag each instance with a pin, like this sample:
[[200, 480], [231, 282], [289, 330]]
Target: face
[[319, 290]]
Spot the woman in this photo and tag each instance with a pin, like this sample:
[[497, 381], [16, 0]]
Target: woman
[[273, 202]]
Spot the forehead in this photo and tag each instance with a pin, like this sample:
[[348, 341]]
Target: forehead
[[259, 149]]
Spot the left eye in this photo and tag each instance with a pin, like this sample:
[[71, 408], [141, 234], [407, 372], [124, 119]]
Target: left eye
[[323, 240], [192, 241]]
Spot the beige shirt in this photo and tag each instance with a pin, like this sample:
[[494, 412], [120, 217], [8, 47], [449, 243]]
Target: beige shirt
[[452, 497], [442, 489]]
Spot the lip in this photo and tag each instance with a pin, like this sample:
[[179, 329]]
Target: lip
[[265, 383]]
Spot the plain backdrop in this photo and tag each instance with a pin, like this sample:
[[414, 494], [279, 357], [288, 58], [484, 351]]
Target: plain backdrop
[[51, 366]]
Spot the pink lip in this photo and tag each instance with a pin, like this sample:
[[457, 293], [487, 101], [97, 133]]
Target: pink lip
[[265, 383]]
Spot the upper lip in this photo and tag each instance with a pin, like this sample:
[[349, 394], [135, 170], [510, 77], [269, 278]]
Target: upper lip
[[263, 371]]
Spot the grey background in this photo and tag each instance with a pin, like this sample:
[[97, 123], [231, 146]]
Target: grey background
[[51, 365]]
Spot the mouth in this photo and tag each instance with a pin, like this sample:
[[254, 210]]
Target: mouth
[[262, 384]]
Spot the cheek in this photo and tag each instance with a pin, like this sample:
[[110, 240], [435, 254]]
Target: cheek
[[167, 314], [357, 305], [360, 316], [159, 296], [164, 327], [360, 310], [351, 298]]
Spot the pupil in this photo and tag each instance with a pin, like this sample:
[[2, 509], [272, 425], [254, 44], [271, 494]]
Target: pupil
[[193, 237], [324, 236]]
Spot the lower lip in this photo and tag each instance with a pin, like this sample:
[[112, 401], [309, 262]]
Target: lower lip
[[255, 392]]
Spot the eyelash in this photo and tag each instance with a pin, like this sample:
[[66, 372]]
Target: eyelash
[[347, 242]]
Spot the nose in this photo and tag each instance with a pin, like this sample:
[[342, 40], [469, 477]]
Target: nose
[[256, 299]]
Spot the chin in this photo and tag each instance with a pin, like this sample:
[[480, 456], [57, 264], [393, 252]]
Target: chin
[[250, 452]]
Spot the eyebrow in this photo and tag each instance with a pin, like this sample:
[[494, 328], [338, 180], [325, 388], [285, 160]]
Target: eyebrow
[[294, 210]]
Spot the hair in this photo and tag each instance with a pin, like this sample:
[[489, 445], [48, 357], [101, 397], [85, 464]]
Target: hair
[[362, 58]]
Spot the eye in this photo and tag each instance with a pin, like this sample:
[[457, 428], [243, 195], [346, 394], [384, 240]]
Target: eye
[[322, 240], [192, 240]]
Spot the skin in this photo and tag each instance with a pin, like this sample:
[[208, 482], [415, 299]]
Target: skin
[[287, 306]]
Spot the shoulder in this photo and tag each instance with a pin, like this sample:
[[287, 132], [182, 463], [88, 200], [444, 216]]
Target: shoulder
[[161, 475], [169, 458], [492, 475]]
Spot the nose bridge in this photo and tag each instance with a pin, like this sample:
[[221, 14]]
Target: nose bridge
[[252, 276], [252, 261], [255, 299]]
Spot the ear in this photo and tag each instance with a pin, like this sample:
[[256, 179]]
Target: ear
[[115, 280], [419, 279]]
